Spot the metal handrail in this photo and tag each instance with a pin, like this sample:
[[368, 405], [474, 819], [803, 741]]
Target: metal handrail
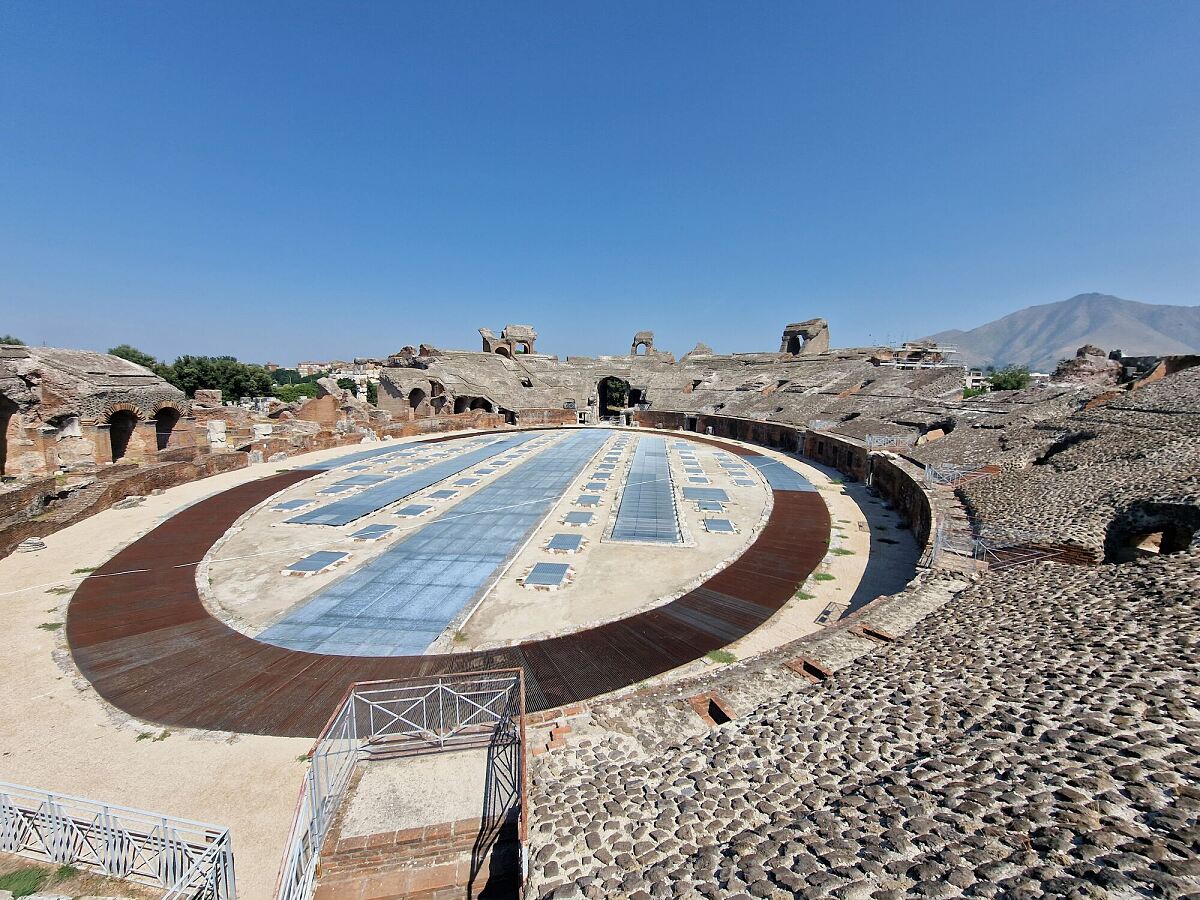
[[189, 859], [409, 712]]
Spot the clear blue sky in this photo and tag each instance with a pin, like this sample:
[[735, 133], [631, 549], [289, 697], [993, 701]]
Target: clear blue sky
[[299, 180]]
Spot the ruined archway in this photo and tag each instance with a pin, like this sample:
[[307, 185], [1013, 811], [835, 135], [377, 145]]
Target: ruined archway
[[7, 410], [461, 405], [503, 351], [121, 425], [480, 403], [437, 396], [1151, 529], [524, 347], [165, 421], [794, 345], [416, 399], [614, 395]]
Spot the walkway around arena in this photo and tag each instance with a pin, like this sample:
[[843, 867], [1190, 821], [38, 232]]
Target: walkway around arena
[[400, 602], [140, 633]]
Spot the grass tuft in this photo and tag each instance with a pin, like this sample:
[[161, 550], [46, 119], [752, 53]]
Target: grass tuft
[[23, 882], [50, 626], [822, 576], [60, 591], [805, 595], [721, 656], [841, 551], [86, 570]]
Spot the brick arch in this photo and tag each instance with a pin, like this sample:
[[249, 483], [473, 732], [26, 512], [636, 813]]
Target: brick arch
[[121, 406], [166, 404]]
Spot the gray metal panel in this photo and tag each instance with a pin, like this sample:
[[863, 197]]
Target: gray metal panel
[[571, 542], [578, 518], [779, 476], [547, 574], [647, 512], [315, 562], [291, 504], [414, 509], [372, 531], [701, 493], [721, 526]]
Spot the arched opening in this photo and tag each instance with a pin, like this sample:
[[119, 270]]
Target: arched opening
[[7, 410], [120, 429], [416, 400], [503, 351], [635, 396], [1146, 530], [614, 395], [641, 348], [437, 397], [461, 405], [165, 421], [795, 344], [480, 403], [523, 347]]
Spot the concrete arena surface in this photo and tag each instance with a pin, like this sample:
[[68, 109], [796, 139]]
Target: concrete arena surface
[[149, 646]]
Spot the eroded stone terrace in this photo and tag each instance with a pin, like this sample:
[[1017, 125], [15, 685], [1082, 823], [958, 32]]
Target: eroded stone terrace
[[1036, 736]]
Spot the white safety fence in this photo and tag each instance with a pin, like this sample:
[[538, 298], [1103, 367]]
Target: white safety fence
[[188, 859], [394, 717]]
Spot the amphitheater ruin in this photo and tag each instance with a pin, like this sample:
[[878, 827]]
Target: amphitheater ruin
[[794, 623]]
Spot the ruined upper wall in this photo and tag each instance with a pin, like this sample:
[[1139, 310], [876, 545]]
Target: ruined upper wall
[[50, 383]]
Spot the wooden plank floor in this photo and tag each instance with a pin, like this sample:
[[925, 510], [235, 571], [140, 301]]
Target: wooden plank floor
[[148, 645]]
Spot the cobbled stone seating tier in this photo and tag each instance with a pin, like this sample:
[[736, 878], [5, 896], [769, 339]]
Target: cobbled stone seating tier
[[1038, 737]]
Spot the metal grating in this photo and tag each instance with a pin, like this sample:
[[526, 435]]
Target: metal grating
[[565, 542], [413, 509], [710, 506], [587, 500], [291, 504], [701, 493], [546, 574], [718, 526], [372, 532], [647, 511], [443, 494], [315, 562], [779, 476], [577, 518]]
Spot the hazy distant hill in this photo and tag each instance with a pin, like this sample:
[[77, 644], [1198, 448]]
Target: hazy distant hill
[[1039, 336]]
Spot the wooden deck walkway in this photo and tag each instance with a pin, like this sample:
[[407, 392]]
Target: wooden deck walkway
[[149, 646]]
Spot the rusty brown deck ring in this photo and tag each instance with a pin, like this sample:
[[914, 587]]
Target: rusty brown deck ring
[[149, 646]]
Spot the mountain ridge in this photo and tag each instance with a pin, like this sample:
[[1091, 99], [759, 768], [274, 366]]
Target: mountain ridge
[[1039, 336]]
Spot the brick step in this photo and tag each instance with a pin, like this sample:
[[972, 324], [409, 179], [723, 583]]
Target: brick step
[[434, 863]]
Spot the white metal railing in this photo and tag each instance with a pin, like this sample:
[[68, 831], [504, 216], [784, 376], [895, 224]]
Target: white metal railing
[[879, 441], [189, 859], [409, 715]]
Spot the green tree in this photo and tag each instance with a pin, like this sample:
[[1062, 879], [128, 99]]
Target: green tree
[[234, 379], [372, 393], [1010, 378], [290, 393], [134, 355], [974, 391], [347, 384], [10, 339]]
